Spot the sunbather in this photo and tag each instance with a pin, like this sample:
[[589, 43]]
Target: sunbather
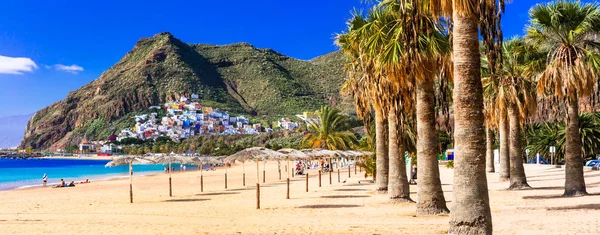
[[62, 184]]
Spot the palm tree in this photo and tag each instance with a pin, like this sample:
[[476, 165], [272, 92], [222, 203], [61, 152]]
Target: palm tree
[[327, 133], [489, 152], [496, 103], [362, 84], [568, 31], [471, 212], [417, 64], [542, 135], [522, 101]]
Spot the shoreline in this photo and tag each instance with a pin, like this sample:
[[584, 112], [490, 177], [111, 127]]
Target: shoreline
[[92, 179], [108, 158]]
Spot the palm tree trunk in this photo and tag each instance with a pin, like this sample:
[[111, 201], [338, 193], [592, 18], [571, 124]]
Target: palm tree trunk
[[504, 130], [574, 181], [429, 187], [398, 188], [489, 159], [471, 209], [381, 162], [518, 180]]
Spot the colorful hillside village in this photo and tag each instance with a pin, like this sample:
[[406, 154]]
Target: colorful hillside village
[[186, 118]]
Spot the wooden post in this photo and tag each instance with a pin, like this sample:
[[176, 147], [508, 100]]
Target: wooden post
[[288, 189], [355, 167], [264, 174], [257, 187], [348, 171], [130, 183], [307, 181], [244, 174], [264, 171], [288, 179], [170, 186], [338, 175], [257, 196], [319, 179], [225, 180], [279, 174], [201, 178], [330, 177]]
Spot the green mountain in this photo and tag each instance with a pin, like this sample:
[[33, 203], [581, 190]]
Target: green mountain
[[239, 78]]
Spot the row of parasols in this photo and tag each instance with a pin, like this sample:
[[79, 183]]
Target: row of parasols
[[256, 154]]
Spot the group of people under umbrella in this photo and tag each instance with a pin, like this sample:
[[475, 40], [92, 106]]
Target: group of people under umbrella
[[256, 154]]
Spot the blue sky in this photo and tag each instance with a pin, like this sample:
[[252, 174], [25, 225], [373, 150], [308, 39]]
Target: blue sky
[[62, 45]]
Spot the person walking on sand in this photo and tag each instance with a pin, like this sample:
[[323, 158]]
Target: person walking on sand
[[44, 180]]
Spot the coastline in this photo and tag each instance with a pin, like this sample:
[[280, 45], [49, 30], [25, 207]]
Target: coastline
[[108, 158], [18, 174]]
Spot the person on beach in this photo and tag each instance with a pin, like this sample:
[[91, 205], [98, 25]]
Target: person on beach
[[62, 184], [44, 180]]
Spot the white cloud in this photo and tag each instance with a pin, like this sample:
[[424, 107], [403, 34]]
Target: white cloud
[[74, 69], [16, 65], [47, 66]]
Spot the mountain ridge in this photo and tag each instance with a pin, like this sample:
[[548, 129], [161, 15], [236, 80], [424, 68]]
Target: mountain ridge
[[239, 78]]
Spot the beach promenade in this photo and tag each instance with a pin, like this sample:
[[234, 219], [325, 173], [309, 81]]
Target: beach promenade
[[340, 208]]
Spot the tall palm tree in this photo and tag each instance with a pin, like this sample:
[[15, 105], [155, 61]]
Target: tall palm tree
[[363, 83], [327, 132], [522, 101], [496, 112], [471, 212], [410, 66], [568, 31]]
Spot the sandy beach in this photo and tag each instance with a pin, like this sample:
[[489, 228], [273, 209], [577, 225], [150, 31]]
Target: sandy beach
[[339, 208]]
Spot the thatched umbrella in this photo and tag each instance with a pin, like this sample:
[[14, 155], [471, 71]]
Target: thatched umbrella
[[201, 161], [291, 154], [171, 158], [129, 160], [257, 154]]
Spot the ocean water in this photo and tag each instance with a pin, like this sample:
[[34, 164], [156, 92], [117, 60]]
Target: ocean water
[[24, 173]]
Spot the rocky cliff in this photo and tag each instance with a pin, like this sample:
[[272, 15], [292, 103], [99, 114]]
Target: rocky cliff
[[238, 77]]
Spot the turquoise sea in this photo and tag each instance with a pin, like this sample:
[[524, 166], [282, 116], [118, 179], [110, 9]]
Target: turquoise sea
[[25, 173]]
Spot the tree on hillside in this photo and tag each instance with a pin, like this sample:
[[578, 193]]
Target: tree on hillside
[[325, 133], [568, 30]]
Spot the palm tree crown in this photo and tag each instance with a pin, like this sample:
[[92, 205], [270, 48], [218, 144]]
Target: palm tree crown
[[568, 31], [327, 133]]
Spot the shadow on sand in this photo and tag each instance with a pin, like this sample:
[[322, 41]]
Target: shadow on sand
[[345, 196], [216, 194], [555, 196], [350, 189], [187, 200], [328, 206], [576, 207]]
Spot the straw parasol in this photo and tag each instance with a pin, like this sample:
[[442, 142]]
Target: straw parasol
[[168, 159], [201, 161], [129, 160], [291, 154], [257, 154]]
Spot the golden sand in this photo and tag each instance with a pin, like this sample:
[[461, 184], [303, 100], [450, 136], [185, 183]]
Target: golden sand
[[340, 208]]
